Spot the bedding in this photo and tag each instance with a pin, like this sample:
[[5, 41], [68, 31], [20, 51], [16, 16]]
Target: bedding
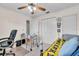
[[76, 53], [69, 47]]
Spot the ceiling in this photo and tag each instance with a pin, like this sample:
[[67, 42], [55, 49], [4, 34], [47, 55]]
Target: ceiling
[[52, 7]]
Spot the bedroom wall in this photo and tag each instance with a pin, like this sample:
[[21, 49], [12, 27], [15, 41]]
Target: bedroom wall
[[11, 20]]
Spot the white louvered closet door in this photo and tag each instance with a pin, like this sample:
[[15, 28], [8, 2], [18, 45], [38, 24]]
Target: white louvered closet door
[[48, 30]]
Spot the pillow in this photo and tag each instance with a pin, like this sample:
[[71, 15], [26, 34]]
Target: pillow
[[69, 47]]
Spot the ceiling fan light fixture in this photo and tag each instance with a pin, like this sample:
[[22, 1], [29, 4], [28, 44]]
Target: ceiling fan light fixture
[[32, 9]]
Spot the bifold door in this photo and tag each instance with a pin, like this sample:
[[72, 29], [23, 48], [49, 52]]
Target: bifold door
[[48, 30]]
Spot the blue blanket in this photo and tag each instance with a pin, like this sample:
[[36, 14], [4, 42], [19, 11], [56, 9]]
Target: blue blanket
[[76, 53]]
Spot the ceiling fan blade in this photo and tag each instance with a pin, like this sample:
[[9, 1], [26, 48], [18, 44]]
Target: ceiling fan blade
[[22, 7], [41, 8]]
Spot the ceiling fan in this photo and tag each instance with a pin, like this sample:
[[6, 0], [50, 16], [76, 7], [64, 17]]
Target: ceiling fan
[[33, 7]]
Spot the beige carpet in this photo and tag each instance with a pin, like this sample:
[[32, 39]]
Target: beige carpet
[[20, 51]]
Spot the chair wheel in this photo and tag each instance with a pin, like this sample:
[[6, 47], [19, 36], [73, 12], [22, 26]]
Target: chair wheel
[[13, 54], [30, 49], [10, 51]]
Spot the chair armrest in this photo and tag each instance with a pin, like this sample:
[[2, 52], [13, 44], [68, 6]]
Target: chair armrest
[[8, 41], [4, 38]]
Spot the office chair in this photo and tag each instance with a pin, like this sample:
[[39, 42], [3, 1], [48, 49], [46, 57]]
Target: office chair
[[8, 42]]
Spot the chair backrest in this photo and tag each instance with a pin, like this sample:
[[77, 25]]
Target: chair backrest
[[12, 37], [12, 34]]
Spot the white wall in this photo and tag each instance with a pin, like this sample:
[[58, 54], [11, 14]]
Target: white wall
[[11, 20], [69, 24], [62, 13], [34, 26], [65, 12]]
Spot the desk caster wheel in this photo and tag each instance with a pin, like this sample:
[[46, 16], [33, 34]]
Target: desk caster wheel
[[13, 54], [41, 50]]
